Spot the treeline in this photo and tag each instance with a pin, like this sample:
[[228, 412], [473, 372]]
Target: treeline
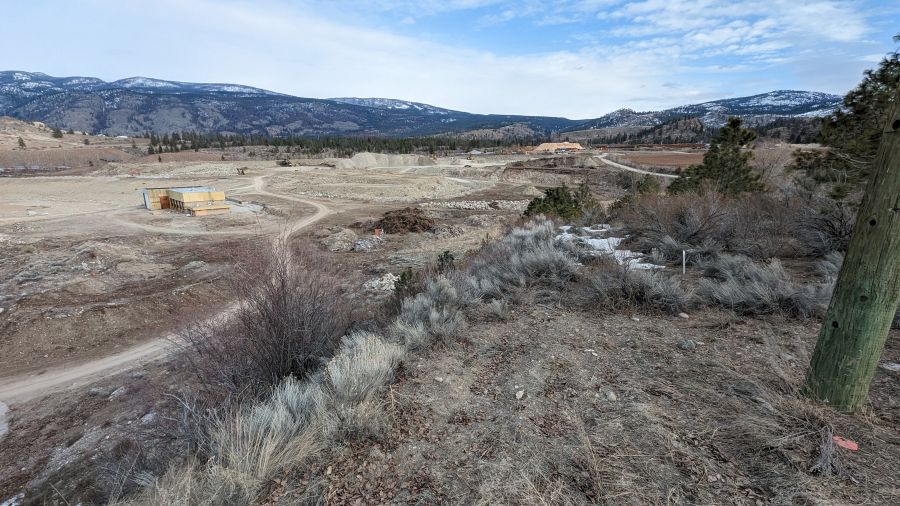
[[336, 146]]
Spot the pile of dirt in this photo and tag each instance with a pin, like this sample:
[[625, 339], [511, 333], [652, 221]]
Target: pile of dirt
[[371, 160], [343, 240], [408, 219]]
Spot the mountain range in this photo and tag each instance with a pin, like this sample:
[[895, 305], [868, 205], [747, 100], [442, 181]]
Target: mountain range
[[137, 105]]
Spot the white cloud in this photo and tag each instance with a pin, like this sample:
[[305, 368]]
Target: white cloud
[[644, 55]]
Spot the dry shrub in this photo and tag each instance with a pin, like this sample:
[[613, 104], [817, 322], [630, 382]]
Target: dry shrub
[[408, 219], [252, 444], [692, 219], [763, 225], [434, 313], [351, 383], [290, 316], [246, 448], [620, 287], [739, 284], [706, 223], [824, 225], [526, 256]]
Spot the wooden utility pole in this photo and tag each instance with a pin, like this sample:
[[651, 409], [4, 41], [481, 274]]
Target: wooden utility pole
[[868, 287]]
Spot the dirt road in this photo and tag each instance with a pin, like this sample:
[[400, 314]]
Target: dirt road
[[611, 163], [25, 387]]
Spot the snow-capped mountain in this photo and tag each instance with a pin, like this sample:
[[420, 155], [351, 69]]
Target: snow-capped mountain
[[140, 104], [392, 103], [755, 110], [37, 83]]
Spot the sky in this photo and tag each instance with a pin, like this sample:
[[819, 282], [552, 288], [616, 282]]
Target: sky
[[572, 58]]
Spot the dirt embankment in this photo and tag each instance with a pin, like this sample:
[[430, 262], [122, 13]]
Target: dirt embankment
[[373, 160]]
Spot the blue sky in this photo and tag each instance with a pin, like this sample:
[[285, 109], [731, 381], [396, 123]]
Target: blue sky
[[573, 58]]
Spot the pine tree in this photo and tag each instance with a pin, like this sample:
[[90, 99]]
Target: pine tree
[[57, 133], [853, 132], [21, 143], [726, 166]]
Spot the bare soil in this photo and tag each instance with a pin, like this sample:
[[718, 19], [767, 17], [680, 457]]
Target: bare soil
[[671, 159], [557, 405]]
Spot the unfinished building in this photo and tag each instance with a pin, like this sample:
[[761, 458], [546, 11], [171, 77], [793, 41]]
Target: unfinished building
[[558, 147], [194, 200]]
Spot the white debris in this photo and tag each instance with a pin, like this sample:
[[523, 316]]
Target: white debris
[[478, 205], [385, 283], [15, 500], [520, 394]]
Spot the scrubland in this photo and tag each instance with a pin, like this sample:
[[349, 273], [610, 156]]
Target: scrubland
[[494, 361]]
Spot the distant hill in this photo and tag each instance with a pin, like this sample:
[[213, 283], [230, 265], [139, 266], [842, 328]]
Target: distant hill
[[755, 110], [140, 104]]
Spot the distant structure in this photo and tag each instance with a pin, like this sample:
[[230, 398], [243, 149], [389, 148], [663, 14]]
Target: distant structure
[[558, 147], [194, 200]]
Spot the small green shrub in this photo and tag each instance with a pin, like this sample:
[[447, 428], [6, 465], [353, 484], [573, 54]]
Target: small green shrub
[[560, 202], [445, 262]]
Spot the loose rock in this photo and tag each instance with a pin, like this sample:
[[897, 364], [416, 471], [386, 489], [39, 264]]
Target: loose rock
[[687, 344], [119, 392]]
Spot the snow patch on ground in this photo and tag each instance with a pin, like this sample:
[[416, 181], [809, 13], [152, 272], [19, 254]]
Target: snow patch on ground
[[15, 500], [596, 239]]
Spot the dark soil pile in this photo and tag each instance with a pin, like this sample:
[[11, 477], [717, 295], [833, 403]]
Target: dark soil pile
[[401, 221]]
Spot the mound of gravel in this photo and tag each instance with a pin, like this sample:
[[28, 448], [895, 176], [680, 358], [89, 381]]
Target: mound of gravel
[[342, 240], [370, 160]]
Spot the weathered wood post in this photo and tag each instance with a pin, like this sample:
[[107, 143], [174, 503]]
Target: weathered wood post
[[868, 287]]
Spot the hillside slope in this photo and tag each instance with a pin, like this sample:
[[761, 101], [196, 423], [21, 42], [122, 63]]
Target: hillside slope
[[139, 104]]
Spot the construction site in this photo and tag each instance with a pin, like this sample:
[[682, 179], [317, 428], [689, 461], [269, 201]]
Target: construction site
[[193, 200], [105, 264]]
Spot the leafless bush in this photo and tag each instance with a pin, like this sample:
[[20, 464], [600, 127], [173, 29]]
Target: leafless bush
[[670, 251], [621, 287], [759, 226], [688, 219], [824, 225], [770, 162], [763, 226], [289, 318], [737, 283]]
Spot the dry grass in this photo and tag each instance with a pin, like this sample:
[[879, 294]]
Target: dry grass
[[251, 445], [614, 286], [715, 424], [739, 284]]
